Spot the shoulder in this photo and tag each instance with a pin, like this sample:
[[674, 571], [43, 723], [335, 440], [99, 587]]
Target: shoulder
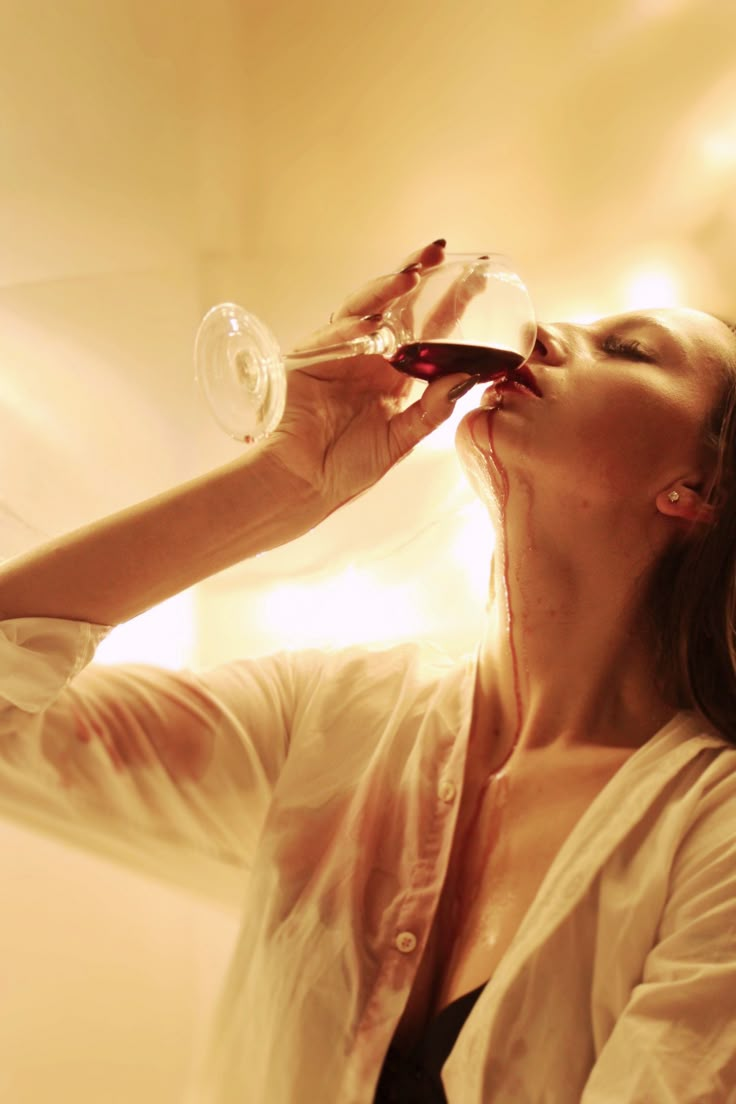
[[343, 678], [708, 792], [366, 684], [410, 665]]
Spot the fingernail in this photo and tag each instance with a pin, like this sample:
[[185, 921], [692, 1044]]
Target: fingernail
[[442, 242], [461, 389], [411, 268], [372, 318]]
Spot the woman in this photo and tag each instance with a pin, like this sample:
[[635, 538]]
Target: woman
[[536, 844]]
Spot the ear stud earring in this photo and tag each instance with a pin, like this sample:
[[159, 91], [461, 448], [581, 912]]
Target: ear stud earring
[[673, 496]]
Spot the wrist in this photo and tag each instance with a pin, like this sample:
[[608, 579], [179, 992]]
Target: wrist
[[300, 497]]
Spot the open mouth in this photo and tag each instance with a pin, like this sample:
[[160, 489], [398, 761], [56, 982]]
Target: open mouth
[[518, 379], [522, 377]]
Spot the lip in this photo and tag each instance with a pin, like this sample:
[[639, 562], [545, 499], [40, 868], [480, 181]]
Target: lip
[[525, 375], [505, 386], [520, 380], [513, 385]]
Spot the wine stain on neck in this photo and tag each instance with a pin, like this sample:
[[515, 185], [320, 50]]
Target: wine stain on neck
[[497, 472]]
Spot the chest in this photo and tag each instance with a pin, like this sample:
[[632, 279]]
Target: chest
[[508, 834]]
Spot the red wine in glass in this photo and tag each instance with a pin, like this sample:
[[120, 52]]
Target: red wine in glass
[[430, 360]]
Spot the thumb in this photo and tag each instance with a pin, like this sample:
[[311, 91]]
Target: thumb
[[430, 410]]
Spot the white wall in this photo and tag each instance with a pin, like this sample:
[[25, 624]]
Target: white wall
[[109, 974]]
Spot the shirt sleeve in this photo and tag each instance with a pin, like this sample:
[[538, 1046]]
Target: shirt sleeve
[[153, 767], [676, 1037]]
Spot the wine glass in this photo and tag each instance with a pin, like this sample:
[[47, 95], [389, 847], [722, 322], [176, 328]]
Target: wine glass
[[471, 313]]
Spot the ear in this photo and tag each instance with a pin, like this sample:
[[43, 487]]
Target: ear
[[689, 506]]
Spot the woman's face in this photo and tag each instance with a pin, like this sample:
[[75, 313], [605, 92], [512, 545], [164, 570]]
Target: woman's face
[[623, 404]]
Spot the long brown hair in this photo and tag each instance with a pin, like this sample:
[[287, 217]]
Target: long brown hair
[[692, 590]]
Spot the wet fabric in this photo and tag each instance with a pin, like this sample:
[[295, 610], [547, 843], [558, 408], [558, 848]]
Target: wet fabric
[[415, 1078], [327, 785]]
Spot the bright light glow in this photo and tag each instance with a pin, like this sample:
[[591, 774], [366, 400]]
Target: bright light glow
[[348, 608], [472, 549], [720, 150], [654, 286], [163, 636], [442, 439]]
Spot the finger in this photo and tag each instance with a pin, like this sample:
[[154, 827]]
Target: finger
[[410, 426], [339, 331], [432, 255], [428, 256], [376, 295], [451, 307]]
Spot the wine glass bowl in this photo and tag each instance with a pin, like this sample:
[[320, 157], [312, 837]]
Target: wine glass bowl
[[465, 300], [471, 313]]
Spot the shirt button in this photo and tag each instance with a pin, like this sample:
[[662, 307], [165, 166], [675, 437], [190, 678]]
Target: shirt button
[[447, 791], [406, 942]]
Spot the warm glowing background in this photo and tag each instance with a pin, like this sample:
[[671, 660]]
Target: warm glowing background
[[160, 156]]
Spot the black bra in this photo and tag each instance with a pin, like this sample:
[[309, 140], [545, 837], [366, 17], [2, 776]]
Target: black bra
[[415, 1078]]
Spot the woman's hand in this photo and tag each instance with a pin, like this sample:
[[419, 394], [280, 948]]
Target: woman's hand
[[348, 421]]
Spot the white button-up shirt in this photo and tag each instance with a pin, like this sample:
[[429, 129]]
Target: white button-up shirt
[[330, 779]]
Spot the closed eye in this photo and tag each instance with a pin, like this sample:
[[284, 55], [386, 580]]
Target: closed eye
[[619, 346]]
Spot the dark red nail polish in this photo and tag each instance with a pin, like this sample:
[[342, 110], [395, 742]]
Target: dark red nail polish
[[372, 318], [442, 242], [411, 268], [461, 389]]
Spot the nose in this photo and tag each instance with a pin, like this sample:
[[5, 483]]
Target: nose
[[550, 346]]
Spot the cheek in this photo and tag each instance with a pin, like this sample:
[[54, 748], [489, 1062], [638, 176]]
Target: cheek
[[598, 442], [632, 438]]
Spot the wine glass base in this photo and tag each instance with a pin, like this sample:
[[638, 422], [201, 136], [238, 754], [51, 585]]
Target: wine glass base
[[241, 373]]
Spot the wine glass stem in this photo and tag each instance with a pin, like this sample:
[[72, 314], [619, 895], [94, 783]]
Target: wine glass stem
[[380, 343]]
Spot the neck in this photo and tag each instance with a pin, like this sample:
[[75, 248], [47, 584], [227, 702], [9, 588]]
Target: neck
[[566, 658]]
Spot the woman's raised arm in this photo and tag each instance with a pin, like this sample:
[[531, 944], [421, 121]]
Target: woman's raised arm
[[118, 567], [345, 424]]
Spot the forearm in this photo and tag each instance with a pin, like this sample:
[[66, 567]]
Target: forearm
[[120, 566]]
